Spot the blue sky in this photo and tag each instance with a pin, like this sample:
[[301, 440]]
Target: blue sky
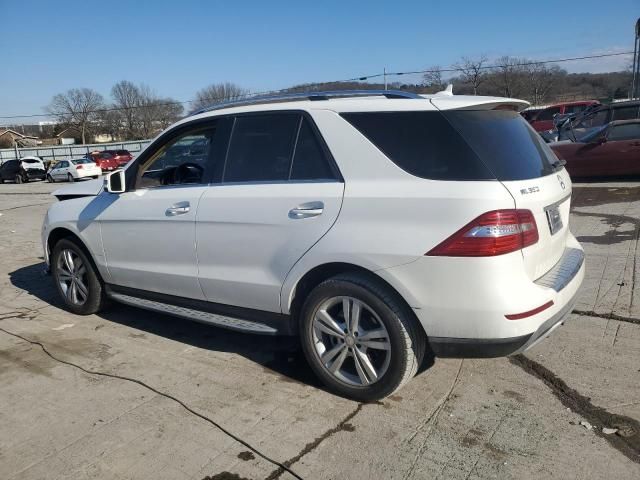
[[178, 47]]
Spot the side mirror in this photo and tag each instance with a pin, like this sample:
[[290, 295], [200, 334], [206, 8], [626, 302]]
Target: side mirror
[[114, 182]]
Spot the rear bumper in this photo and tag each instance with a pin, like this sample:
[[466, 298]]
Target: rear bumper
[[463, 303], [499, 347]]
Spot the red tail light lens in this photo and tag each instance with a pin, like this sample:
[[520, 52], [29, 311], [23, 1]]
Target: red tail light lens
[[78, 167], [492, 233]]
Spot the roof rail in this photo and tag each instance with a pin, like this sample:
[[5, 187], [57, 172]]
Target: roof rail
[[288, 97]]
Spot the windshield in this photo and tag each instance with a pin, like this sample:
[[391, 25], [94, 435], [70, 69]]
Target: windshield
[[592, 134]]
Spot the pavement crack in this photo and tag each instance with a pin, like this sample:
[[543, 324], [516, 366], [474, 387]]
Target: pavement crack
[[311, 446], [281, 466], [626, 441], [431, 419], [24, 206], [607, 316]]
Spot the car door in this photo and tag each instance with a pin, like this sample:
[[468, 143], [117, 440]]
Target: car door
[[60, 170], [9, 169], [280, 192], [623, 146], [148, 233]]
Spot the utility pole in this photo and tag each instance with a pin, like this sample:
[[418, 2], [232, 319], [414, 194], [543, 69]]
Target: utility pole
[[635, 84], [385, 77]]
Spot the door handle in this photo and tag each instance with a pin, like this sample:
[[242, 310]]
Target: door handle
[[307, 210], [179, 208]]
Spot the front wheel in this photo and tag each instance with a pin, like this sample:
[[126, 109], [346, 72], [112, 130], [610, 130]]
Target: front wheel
[[49, 179], [360, 338], [18, 178], [76, 278]]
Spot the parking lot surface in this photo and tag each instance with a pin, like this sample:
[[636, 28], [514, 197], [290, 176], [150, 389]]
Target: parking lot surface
[[134, 394]]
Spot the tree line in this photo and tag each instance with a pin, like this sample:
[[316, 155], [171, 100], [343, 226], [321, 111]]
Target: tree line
[[136, 112]]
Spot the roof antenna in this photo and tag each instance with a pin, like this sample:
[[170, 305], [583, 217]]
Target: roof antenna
[[447, 92]]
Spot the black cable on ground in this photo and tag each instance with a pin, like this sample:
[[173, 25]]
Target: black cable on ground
[[166, 395]]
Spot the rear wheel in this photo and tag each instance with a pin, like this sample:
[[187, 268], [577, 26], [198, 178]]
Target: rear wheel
[[76, 278], [361, 340], [69, 177]]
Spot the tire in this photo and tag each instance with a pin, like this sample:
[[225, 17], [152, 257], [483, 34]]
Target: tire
[[86, 302], [50, 179], [70, 178], [18, 178], [395, 342]]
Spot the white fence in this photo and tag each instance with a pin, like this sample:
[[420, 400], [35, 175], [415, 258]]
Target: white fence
[[68, 152]]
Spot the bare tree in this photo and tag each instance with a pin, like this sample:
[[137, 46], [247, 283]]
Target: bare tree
[[155, 113], [433, 78], [540, 80], [511, 76], [216, 93], [78, 107], [473, 71], [127, 97]]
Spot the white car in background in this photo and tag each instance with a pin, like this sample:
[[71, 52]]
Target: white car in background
[[72, 170], [379, 227]]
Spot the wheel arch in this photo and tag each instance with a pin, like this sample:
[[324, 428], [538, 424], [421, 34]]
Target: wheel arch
[[318, 274], [60, 233]]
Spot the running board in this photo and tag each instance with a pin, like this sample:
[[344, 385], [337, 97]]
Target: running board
[[192, 314]]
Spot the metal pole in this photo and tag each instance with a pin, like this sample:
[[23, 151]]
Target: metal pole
[[636, 63], [385, 77]]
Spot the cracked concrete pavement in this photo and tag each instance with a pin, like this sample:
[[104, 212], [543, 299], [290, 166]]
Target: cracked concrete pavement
[[496, 418]]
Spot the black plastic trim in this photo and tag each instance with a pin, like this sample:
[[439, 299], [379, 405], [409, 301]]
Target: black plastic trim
[[476, 348], [284, 324]]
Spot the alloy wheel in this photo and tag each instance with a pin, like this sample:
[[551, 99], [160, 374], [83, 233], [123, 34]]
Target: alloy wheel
[[351, 341], [72, 277]]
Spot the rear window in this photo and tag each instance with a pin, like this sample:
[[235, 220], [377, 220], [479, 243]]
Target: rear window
[[122, 152], [458, 144], [507, 145], [81, 160], [31, 161], [421, 143]]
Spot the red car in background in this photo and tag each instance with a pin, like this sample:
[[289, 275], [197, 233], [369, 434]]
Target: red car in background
[[109, 160], [544, 119], [610, 150]]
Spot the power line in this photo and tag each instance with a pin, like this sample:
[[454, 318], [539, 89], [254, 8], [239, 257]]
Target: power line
[[449, 69]]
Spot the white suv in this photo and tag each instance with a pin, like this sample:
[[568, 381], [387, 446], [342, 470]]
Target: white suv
[[377, 226]]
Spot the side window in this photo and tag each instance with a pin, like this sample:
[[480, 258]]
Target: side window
[[548, 113], [261, 148], [309, 161], [63, 164], [626, 113], [630, 131], [183, 160]]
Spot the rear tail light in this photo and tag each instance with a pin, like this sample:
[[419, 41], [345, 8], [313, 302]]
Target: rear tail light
[[492, 233], [78, 167]]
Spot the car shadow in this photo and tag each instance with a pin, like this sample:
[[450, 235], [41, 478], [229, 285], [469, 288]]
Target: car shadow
[[282, 355], [279, 354]]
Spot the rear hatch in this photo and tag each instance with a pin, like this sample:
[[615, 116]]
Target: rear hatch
[[528, 169]]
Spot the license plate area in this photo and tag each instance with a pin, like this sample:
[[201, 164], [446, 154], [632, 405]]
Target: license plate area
[[554, 219]]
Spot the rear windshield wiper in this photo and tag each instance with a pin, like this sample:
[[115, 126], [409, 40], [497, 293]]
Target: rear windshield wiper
[[558, 164]]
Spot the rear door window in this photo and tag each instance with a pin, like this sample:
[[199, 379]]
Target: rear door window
[[309, 160], [625, 113], [261, 148], [630, 131], [548, 113]]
